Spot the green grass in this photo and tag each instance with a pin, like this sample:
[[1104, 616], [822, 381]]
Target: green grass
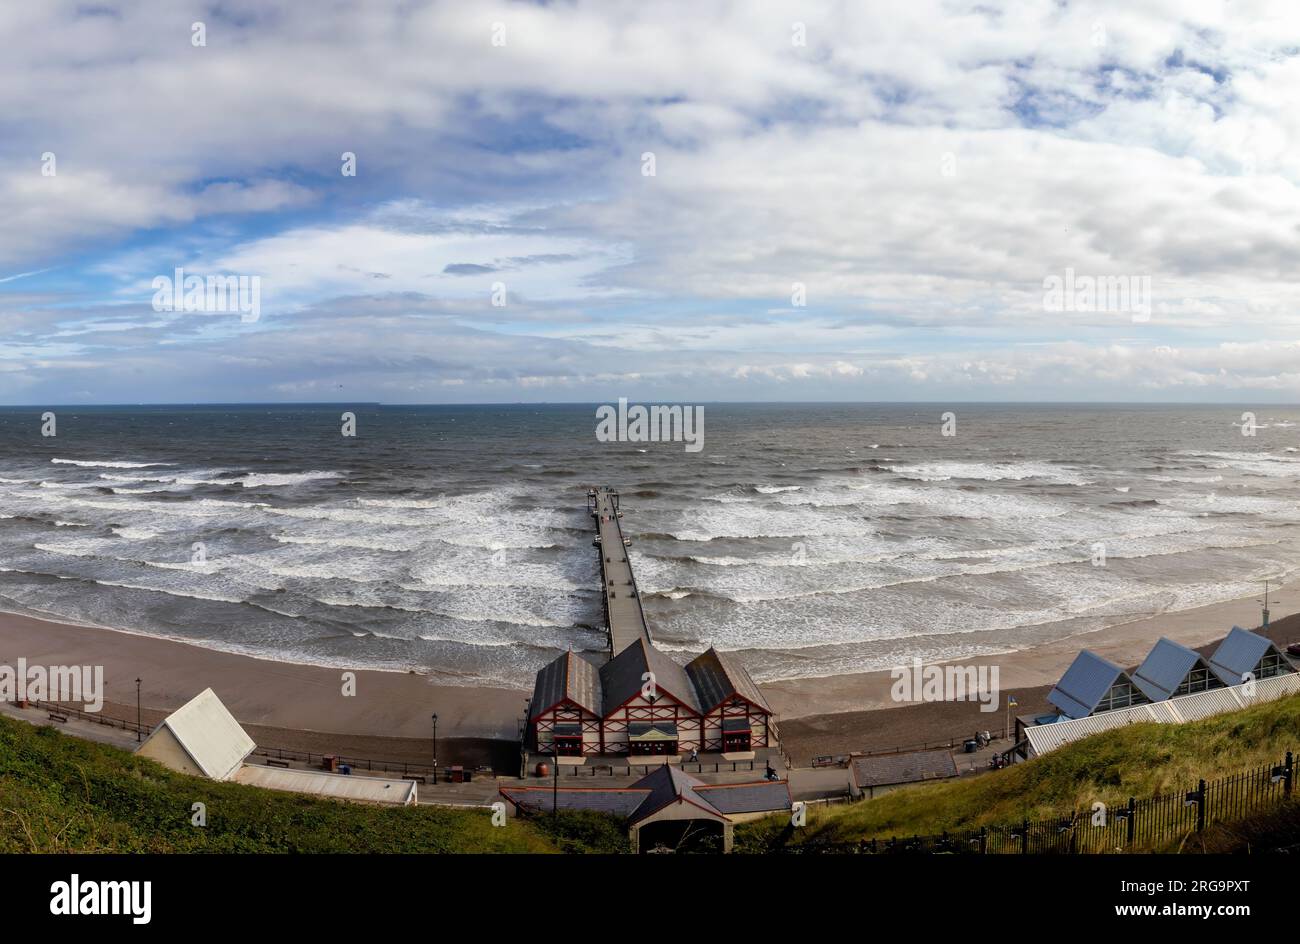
[[61, 794], [1140, 761]]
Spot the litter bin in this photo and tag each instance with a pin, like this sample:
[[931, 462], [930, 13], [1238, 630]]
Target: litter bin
[[972, 746], [330, 762]]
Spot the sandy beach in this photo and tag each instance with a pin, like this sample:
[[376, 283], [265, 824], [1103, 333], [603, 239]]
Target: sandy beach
[[1126, 644], [303, 707]]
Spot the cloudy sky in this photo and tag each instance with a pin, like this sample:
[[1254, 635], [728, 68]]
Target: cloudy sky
[[675, 201]]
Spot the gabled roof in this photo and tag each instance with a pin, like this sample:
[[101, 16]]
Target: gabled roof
[[209, 734], [621, 677], [568, 677], [719, 675], [664, 785], [760, 797], [1165, 668], [1084, 684], [621, 802], [890, 769], [1239, 653]]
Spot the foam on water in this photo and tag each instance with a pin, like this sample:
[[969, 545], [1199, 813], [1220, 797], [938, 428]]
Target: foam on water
[[467, 550]]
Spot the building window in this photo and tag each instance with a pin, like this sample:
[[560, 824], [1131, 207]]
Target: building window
[[1198, 680], [568, 740], [1122, 695], [735, 735], [1271, 665]]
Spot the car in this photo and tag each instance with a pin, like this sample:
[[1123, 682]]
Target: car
[[1294, 649]]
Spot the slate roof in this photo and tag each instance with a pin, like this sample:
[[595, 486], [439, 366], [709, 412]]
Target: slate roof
[[618, 802], [1165, 668], [719, 675], [569, 676], [903, 768], [761, 797], [657, 789], [1238, 654], [620, 677], [1084, 684], [666, 784]]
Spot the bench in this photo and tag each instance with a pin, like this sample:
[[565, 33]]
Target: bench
[[418, 778], [55, 716], [272, 762]]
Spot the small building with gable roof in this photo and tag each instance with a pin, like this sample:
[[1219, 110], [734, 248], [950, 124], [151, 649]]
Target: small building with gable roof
[[664, 805], [1243, 652], [1092, 684], [1172, 669], [200, 738]]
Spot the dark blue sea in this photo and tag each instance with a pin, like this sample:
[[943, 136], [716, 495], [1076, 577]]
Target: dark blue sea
[[817, 539]]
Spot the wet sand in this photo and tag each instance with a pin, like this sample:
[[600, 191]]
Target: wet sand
[[302, 707], [1126, 644]]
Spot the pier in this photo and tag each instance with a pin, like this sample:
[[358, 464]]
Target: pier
[[624, 617]]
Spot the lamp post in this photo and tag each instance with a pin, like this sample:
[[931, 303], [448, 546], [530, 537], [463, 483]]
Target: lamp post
[[137, 710], [435, 747], [555, 784]]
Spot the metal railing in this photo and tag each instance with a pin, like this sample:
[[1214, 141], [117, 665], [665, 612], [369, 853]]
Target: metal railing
[[952, 742], [405, 768], [1140, 824], [54, 707]]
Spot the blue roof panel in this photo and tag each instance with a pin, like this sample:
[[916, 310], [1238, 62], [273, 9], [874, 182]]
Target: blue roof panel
[[1238, 654], [1084, 684], [1164, 669]]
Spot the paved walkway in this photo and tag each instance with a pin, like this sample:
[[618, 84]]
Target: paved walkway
[[86, 730], [484, 789]]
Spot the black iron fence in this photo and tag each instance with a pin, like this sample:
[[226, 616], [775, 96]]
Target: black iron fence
[[1139, 824], [950, 743], [403, 768], [55, 708]]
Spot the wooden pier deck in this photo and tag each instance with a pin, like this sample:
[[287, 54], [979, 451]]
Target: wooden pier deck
[[624, 616]]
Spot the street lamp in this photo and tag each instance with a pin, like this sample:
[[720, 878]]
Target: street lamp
[[137, 710], [435, 748]]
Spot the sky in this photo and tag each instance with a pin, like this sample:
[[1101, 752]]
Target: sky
[[678, 202]]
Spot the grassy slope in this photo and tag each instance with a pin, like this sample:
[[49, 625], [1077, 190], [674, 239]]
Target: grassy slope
[[1136, 761], [61, 794]]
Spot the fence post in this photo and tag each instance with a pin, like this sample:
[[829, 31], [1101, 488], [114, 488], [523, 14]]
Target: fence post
[[1024, 837], [1290, 772], [1200, 806], [1132, 819], [984, 840]]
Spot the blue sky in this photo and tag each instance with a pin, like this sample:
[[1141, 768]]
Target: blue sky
[[916, 172]]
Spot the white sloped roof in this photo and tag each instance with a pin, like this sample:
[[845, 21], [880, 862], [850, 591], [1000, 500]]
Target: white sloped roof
[[209, 734], [319, 783]]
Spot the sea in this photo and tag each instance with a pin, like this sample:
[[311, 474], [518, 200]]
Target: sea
[[813, 539]]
